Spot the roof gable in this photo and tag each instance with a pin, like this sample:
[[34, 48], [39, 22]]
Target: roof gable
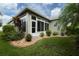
[[24, 11]]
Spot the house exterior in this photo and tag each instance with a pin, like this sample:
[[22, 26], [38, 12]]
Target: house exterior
[[55, 26], [35, 23]]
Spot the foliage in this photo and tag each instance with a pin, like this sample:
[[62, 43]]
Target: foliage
[[77, 41], [55, 33], [41, 34], [13, 36], [20, 35], [72, 31], [62, 33], [16, 36], [7, 29], [9, 33], [28, 37], [48, 33], [70, 14]]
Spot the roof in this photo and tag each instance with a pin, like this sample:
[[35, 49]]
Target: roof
[[32, 11], [54, 19], [20, 14]]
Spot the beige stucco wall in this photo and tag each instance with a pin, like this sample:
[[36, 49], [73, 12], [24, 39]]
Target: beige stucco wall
[[55, 28]]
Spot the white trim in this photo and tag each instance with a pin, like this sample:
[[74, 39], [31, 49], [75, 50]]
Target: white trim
[[37, 33]]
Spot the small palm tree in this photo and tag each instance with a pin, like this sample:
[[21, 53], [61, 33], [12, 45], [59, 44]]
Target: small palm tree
[[17, 22]]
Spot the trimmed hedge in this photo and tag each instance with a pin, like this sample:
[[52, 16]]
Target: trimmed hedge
[[48, 33], [41, 34], [28, 37]]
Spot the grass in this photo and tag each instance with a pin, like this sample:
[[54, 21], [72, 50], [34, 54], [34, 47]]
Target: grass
[[55, 46]]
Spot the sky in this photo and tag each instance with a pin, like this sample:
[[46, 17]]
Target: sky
[[51, 10]]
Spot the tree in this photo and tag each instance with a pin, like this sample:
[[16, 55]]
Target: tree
[[17, 22], [70, 14]]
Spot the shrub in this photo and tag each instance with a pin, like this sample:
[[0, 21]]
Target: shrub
[[8, 29], [71, 31], [21, 35], [55, 33], [16, 36], [28, 37], [11, 34], [48, 32], [62, 34], [41, 34], [6, 36], [77, 41]]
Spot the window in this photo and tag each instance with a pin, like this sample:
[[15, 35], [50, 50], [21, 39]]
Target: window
[[40, 26], [23, 25], [46, 26], [33, 26], [33, 17]]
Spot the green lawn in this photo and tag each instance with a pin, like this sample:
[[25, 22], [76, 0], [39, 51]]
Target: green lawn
[[52, 46]]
